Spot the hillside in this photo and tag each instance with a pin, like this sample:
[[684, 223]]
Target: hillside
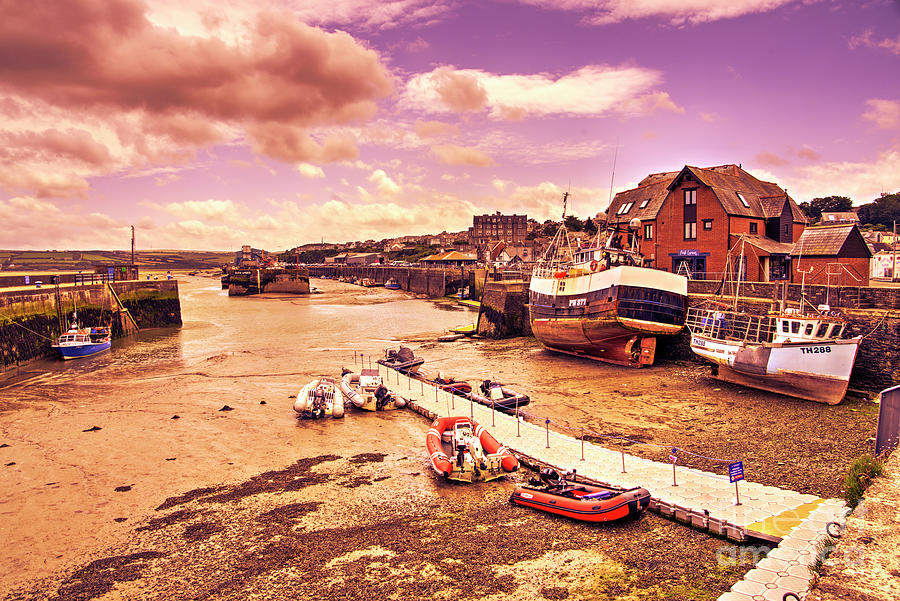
[[68, 260]]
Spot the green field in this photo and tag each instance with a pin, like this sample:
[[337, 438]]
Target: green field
[[66, 260]]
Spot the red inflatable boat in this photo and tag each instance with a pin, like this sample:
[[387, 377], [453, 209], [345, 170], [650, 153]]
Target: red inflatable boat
[[579, 501], [460, 449]]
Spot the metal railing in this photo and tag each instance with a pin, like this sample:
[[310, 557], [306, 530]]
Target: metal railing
[[729, 325]]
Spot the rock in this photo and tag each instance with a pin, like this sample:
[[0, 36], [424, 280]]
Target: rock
[[3, 446], [226, 408], [119, 519], [176, 417], [10, 463], [171, 458], [123, 488], [263, 402], [93, 429]]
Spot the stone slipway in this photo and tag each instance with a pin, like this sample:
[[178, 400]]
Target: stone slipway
[[700, 499]]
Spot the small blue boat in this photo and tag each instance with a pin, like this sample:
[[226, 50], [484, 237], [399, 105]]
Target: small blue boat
[[392, 284], [80, 342]]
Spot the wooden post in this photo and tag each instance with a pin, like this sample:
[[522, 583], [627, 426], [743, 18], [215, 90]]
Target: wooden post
[[582, 443], [737, 494], [547, 425], [518, 423], [623, 460]]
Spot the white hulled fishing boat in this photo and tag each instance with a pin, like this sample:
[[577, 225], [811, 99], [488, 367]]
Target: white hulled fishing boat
[[601, 301]]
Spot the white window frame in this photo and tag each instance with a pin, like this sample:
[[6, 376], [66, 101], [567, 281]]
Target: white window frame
[[743, 200]]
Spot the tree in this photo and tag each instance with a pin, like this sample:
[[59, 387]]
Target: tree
[[590, 227], [827, 204], [574, 224], [549, 228], [885, 210]]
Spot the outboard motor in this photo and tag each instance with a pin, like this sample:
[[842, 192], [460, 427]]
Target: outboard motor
[[551, 477]]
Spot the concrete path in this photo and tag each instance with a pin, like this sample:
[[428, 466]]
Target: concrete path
[[700, 499]]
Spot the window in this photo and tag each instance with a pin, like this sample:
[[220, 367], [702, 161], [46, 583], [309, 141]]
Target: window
[[753, 227], [648, 231], [625, 208], [785, 327], [690, 197], [787, 229], [821, 331], [809, 329], [644, 203], [795, 327], [690, 230], [707, 224], [743, 200]]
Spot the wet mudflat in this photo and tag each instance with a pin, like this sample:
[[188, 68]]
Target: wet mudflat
[[124, 479], [379, 525]]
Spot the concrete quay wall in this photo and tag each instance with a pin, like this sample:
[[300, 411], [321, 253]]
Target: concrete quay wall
[[31, 320], [430, 281]]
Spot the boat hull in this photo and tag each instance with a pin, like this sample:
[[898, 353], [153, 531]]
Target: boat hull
[[612, 316], [816, 371], [82, 350]]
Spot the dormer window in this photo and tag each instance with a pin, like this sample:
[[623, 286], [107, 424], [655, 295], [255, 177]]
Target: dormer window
[[743, 200]]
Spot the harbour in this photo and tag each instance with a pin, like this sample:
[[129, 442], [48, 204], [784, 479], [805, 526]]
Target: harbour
[[85, 488]]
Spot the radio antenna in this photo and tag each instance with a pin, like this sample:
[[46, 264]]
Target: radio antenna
[[613, 176]]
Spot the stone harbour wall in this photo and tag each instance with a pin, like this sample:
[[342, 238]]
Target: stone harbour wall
[[31, 320]]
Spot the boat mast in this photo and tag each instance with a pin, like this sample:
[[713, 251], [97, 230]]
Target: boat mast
[[740, 269]]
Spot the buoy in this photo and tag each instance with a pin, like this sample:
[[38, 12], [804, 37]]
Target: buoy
[[593, 265]]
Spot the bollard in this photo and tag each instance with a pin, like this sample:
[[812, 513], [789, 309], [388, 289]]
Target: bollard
[[674, 459], [582, 443], [547, 425]]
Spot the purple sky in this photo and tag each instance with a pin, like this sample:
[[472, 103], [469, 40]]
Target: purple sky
[[209, 124]]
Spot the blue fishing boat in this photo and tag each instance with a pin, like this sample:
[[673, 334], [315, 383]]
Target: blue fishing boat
[[392, 284], [80, 342]]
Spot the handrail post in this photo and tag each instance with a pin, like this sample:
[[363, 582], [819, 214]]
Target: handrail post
[[547, 425]]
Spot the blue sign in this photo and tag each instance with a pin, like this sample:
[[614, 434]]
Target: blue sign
[[736, 471], [27, 279], [688, 252]]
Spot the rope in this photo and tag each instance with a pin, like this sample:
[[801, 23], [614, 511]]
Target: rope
[[877, 325], [32, 331]]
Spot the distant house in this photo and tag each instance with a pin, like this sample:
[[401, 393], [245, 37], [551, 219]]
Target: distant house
[[361, 258], [339, 259], [834, 218], [451, 258], [885, 265], [832, 255], [689, 220], [249, 257]]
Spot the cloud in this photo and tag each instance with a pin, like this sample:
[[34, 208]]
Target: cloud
[[152, 93], [868, 40], [590, 90], [808, 153], [451, 154], [384, 184], [310, 171], [885, 114], [224, 211], [770, 159], [862, 181], [604, 12], [431, 129]]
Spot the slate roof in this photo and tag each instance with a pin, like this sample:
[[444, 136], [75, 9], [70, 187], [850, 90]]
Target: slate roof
[[765, 200], [838, 217], [766, 245], [825, 240], [453, 255]]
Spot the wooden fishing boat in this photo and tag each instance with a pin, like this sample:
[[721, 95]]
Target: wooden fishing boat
[[586, 502], [322, 397], [460, 449], [495, 395], [799, 354], [367, 391], [603, 302], [392, 284]]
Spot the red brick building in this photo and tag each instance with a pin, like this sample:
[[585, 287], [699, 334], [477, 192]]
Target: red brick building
[[689, 220], [834, 255]]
